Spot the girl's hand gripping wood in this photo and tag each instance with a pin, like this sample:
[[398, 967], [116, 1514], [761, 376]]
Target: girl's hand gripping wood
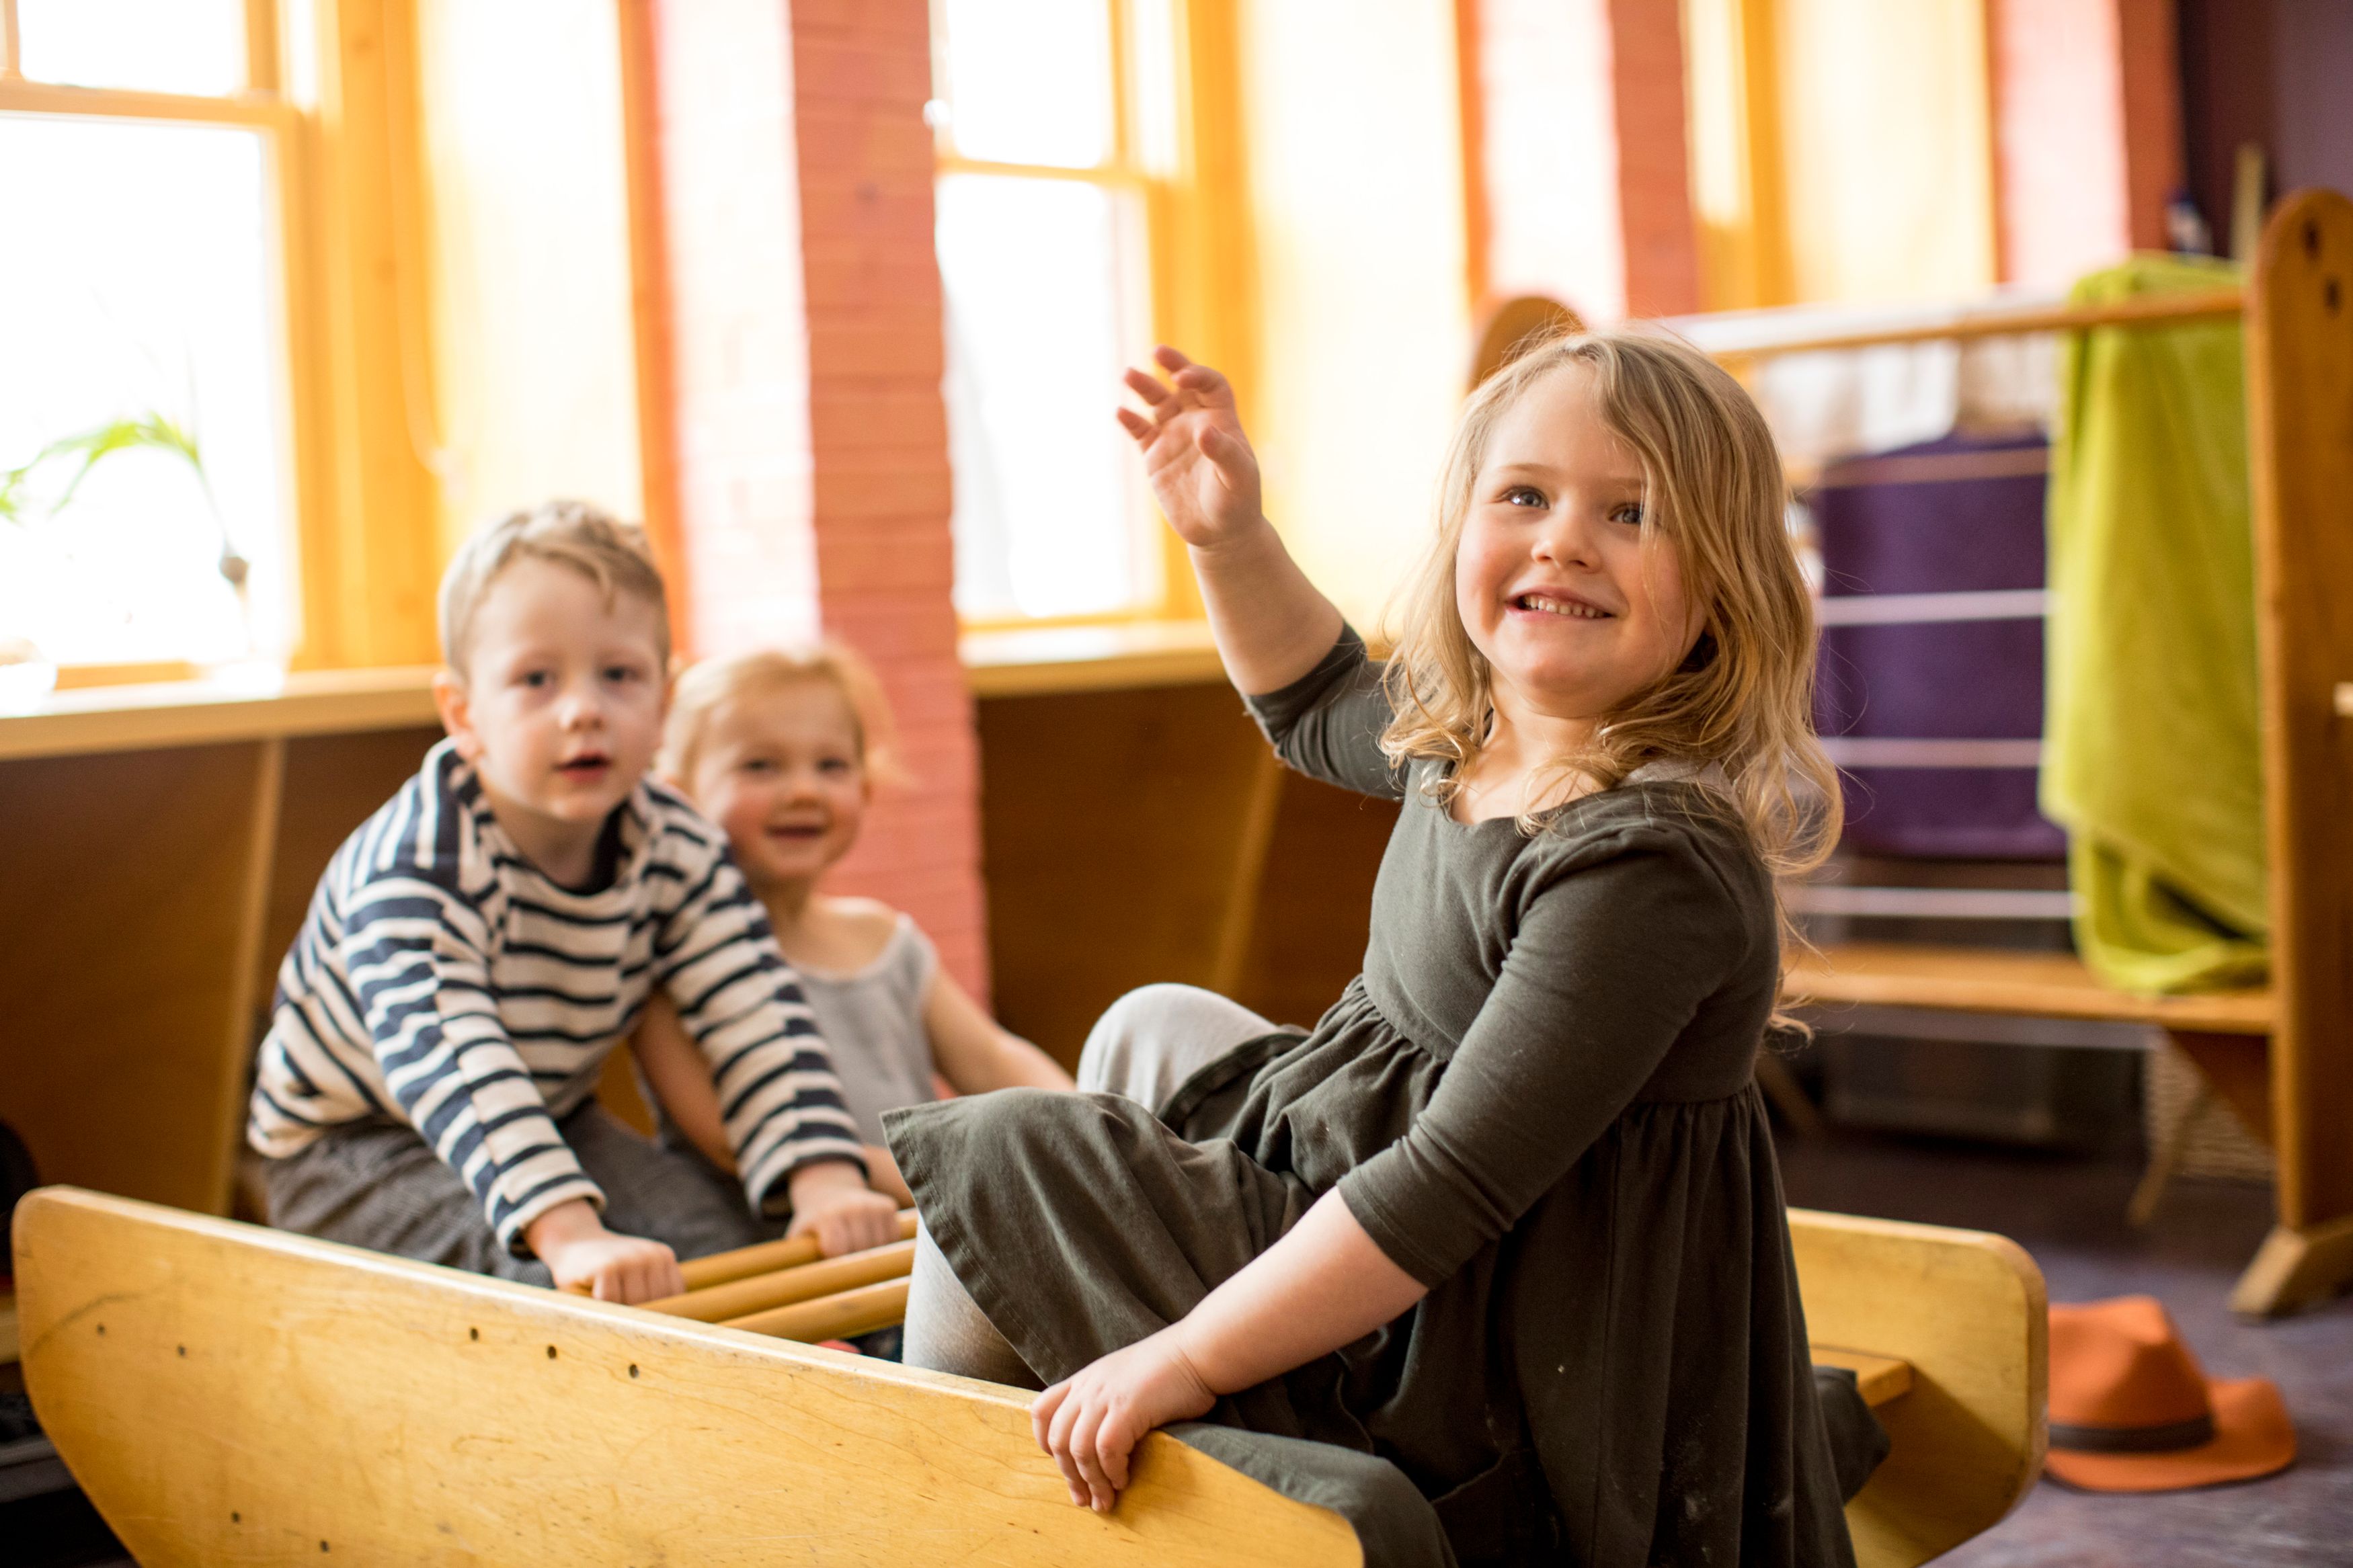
[[1325, 1284], [1200, 462], [1091, 1421]]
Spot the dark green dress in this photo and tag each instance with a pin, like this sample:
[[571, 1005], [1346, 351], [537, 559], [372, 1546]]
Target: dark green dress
[[1538, 1101]]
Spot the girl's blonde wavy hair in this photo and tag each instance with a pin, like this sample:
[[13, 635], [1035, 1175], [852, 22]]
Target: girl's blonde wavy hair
[[716, 684], [1714, 492]]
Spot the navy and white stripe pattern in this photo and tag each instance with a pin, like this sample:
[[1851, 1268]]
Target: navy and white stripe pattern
[[441, 979]]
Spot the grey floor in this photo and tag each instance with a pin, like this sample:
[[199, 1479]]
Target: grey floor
[[2069, 1213]]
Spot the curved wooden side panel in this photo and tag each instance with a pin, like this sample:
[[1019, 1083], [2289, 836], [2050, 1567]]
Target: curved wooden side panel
[[229, 1394], [1967, 1309]]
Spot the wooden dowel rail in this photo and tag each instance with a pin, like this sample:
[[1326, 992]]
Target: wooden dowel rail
[[844, 1315], [740, 1298], [766, 1258], [2149, 310]]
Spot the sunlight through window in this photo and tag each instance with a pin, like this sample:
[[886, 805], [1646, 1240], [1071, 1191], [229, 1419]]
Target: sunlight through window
[[1029, 81], [1053, 125], [136, 303], [1035, 344], [154, 46]]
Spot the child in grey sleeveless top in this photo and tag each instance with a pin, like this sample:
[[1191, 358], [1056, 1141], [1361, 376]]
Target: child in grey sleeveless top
[[881, 1009], [782, 750]]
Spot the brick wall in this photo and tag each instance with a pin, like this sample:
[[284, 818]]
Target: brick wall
[[1654, 205], [804, 334]]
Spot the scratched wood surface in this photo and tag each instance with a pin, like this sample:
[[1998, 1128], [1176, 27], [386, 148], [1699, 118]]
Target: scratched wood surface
[[228, 1393]]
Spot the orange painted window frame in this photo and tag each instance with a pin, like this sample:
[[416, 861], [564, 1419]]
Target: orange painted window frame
[[349, 288], [1195, 213]]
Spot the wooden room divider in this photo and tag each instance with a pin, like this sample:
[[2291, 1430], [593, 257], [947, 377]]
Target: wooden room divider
[[2281, 1057]]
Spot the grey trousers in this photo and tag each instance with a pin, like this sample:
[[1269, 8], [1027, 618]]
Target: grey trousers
[[1145, 1047], [378, 1184], [1151, 1040]]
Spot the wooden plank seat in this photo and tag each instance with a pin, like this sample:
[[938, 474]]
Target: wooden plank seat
[[1949, 1327], [228, 1393], [1880, 1379], [1993, 980], [2226, 1033]]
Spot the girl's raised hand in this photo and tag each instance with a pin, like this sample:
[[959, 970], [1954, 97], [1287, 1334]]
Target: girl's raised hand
[[1093, 1420], [1200, 463]]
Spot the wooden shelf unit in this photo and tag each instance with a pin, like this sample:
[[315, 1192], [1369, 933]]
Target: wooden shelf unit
[[161, 848], [2281, 1057]]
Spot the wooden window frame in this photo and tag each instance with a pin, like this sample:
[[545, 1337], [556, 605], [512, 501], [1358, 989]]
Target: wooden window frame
[[347, 203], [1122, 172], [258, 105], [1195, 224]]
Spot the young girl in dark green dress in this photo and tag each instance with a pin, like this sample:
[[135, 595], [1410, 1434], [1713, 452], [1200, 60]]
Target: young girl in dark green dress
[[1494, 1261]]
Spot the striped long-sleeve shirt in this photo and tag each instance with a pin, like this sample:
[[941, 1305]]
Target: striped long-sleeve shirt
[[443, 979]]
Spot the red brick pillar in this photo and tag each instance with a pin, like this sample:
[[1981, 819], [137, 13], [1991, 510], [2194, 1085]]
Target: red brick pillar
[[801, 303], [1578, 149], [1654, 204], [2087, 132], [879, 445]]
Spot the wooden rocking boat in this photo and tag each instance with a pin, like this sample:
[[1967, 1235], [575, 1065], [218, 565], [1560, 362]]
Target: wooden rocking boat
[[226, 1392]]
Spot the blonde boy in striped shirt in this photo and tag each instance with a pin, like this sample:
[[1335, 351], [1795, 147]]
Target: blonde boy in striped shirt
[[481, 943]]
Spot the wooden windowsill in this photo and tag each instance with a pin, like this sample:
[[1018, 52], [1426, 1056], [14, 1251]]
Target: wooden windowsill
[[220, 709], [223, 708], [1036, 660], [148, 672]]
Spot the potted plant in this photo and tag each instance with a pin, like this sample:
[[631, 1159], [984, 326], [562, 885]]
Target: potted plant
[[27, 674]]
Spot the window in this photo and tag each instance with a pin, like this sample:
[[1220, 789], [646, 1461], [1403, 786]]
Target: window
[[145, 456], [1841, 150], [1055, 120]]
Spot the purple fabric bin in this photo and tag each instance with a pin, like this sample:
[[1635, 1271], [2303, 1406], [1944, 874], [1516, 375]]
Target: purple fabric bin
[[1955, 516]]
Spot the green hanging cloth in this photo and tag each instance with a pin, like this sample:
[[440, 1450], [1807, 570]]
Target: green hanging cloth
[[2151, 759]]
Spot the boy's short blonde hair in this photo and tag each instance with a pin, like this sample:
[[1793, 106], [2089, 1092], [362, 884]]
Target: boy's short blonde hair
[[712, 685], [609, 553]]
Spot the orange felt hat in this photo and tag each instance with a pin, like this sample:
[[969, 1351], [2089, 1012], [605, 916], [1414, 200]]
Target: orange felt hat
[[2131, 1410]]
